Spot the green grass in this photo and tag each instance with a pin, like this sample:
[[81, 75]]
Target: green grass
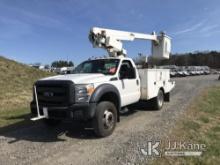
[[216, 129], [13, 116], [200, 124], [16, 82], [204, 119], [191, 125]]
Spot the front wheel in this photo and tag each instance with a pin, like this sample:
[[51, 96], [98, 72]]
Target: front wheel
[[159, 100], [104, 121]]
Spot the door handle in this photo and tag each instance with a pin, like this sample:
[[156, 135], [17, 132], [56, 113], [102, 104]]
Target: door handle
[[137, 82]]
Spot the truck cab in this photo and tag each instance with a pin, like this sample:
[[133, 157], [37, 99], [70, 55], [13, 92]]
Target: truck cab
[[114, 81]]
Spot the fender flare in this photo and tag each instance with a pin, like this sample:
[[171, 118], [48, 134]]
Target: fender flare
[[103, 89]]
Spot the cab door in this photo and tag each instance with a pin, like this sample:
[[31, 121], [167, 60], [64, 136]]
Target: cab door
[[129, 83]]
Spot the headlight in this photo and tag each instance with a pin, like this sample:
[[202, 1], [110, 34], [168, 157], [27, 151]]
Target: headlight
[[83, 92]]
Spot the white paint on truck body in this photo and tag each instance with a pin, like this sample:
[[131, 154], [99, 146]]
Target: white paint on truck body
[[152, 80], [144, 86]]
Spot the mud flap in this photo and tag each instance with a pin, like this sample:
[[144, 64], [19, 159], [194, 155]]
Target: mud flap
[[167, 97]]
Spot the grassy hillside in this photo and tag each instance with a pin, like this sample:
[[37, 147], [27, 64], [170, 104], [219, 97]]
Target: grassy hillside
[[16, 81], [199, 125]]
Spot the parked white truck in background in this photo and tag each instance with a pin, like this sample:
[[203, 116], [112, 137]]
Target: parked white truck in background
[[99, 88]]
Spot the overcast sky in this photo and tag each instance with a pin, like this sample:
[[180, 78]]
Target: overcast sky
[[47, 30]]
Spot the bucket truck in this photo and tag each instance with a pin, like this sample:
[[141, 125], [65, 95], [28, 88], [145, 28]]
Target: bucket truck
[[100, 88]]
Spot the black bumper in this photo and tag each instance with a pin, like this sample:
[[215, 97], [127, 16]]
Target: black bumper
[[83, 111]]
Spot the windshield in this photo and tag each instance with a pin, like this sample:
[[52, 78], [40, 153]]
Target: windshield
[[104, 66]]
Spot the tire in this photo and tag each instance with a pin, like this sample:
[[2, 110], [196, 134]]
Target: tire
[[51, 122], [105, 119], [159, 100]]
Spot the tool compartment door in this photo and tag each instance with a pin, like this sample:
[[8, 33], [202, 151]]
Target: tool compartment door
[[152, 80]]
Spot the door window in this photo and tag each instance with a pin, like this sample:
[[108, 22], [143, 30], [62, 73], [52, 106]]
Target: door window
[[127, 71]]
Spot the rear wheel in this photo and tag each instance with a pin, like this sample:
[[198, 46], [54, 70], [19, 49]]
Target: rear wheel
[[159, 100], [105, 118]]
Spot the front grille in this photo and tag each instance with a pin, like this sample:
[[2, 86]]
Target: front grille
[[55, 92]]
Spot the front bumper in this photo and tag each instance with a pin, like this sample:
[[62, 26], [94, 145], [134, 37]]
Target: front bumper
[[84, 111]]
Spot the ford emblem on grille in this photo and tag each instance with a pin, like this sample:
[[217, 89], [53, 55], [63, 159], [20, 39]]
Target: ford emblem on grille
[[48, 94]]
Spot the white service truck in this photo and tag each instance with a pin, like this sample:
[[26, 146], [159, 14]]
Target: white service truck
[[100, 88]]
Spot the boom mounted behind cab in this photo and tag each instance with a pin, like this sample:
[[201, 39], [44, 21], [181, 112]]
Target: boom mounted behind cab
[[99, 88]]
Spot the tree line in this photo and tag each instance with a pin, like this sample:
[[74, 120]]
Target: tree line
[[205, 58], [61, 63]]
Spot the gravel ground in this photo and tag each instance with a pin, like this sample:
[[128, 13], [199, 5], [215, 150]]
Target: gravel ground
[[71, 144]]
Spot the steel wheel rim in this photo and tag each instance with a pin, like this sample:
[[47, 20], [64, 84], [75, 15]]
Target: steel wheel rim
[[108, 119]]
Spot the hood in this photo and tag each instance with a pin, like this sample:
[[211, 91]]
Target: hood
[[81, 78]]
